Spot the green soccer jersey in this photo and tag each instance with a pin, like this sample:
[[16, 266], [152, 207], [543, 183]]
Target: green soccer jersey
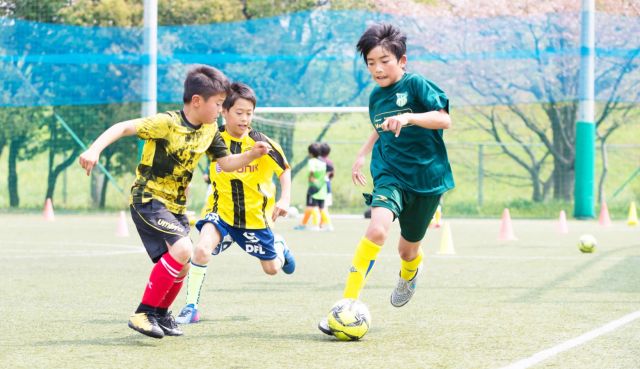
[[318, 170], [416, 161]]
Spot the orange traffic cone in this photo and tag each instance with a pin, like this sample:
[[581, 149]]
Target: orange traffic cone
[[48, 211], [506, 228], [122, 230], [563, 227], [604, 219]]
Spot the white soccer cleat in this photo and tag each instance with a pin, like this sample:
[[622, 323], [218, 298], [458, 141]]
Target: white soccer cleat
[[404, 290]]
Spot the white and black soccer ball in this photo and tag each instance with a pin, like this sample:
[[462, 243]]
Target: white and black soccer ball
[[349, 320], [587, 243]]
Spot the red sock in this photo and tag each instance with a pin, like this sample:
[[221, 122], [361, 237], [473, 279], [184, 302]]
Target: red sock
[[163, 274], [172, 294]]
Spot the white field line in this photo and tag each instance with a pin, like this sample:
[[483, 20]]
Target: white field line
[[133, 249], [66, 254], [62, 253], [543, 355]]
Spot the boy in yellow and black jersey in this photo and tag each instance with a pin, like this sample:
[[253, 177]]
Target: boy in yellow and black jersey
[[174, 143], [245, 198], [241, 206]]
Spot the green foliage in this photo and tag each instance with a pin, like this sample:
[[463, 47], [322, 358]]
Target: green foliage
[[199, 12], [129, 13], [123, 13], [36, 10]]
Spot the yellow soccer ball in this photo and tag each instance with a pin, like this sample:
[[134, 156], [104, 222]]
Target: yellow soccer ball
[[349, 320], [587, 243]]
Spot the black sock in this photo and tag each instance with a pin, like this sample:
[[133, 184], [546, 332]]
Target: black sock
[[142, 308], [162, 311]]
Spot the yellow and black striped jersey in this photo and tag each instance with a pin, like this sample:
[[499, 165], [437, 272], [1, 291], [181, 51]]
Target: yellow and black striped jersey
[[171, 152], [245, 198]]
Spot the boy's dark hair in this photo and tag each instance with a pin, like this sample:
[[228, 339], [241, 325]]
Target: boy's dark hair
[[385, 35], [325, 149], [239, 90], [314, 149], [205, 81]]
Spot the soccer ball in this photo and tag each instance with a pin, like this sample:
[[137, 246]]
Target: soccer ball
[[587, 243], [293, 212], [349, 320]]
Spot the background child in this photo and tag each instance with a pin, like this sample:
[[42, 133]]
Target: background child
[[317, 190], [325, 220]]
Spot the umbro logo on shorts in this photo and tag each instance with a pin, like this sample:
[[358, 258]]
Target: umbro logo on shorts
[[168, 225]]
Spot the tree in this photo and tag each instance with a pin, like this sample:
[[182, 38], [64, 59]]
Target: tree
[[537, 92]]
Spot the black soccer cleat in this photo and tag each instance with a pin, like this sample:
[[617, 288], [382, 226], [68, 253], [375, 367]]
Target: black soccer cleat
[[168, 325]]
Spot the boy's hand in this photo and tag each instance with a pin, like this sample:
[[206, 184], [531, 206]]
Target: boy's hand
[[356, 175], [259, 149], [280, 210], [88, 160], [395, 124]]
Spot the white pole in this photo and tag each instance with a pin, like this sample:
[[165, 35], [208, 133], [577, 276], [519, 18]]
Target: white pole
[[150, 52], [150, 63]]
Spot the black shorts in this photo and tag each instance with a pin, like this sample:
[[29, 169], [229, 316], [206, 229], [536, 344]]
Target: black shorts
[[158, 227], [314, 202]]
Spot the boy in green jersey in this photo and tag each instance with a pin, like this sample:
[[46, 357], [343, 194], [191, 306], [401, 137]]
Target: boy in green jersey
[[409, 161]]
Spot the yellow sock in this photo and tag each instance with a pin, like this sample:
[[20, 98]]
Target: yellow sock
[[408, 269], [195, 282], [363, 260], [314, 216], [324, 217]]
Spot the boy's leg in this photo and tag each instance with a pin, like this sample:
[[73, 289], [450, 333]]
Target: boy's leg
[[209, 237], [156, 235], [414, 221], [367, 251], [386, 204], [180, 250], [282, 256], [325, 222]]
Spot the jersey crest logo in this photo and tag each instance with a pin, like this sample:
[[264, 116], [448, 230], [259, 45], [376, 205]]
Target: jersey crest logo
[[218, 169], [401, 98]]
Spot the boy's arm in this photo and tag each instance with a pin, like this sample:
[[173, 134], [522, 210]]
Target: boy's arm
[[356, 175], [437, 119], [89, 158], [234, 162], [282, 206]]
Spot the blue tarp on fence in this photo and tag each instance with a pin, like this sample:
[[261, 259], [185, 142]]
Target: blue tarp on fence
[[309, 59]]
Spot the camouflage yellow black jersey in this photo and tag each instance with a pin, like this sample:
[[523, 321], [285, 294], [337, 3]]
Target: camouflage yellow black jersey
[[171, 152], [245, 198]]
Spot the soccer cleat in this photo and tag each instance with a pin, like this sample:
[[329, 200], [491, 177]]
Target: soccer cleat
[[300, 227], [188, 314], [323, 326], [168, 325], [289, 262], [226, 242], [404, 290], [146, 324]]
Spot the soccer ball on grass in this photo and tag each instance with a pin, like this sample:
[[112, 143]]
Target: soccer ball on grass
[[587, 243], [349, 320]]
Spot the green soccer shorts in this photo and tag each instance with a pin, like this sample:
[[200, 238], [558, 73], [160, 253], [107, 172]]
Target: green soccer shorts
[[413, 211]]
